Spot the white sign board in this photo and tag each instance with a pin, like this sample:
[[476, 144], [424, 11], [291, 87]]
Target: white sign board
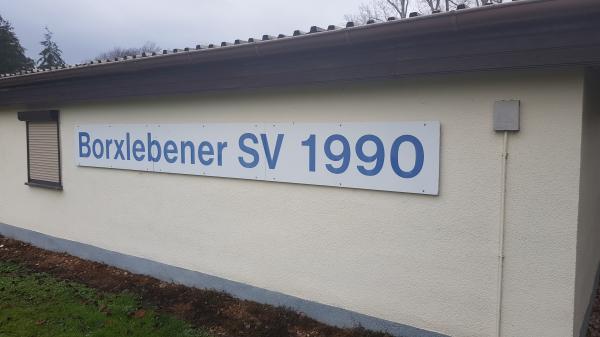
[[399, 157]]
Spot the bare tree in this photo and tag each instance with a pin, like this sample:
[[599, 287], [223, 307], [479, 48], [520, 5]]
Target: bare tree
[[474, 3], [435, 5], [379, 10], [400, 7], [148, 47]]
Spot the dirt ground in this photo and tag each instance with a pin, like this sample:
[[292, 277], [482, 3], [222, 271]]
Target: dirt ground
[[222, 314], [594, 327]]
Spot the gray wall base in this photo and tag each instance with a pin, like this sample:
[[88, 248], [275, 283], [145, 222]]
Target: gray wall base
[[321, 312]]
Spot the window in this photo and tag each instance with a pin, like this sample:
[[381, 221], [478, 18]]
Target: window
[[43, 148]]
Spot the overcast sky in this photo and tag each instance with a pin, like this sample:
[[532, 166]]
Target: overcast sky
[[84, 28]]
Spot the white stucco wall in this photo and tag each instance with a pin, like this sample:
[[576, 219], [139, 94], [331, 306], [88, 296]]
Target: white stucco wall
[[425, 261], [588, 236]]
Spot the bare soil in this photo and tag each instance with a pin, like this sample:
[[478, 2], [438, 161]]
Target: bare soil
[[594, 325], [218, 312]]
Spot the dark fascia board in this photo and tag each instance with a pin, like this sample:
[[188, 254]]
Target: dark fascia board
[[455, 22], [568, 43], [38, 116]]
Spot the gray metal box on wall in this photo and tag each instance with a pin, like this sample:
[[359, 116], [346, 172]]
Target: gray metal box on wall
[[507, 115]]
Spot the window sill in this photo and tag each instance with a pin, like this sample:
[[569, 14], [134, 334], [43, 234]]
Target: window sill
[[44, 184]]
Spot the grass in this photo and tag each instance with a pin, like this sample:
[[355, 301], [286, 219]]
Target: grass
[[36, 304]]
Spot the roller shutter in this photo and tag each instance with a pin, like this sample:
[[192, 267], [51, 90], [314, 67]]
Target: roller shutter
[[44, 162], [43, 148]]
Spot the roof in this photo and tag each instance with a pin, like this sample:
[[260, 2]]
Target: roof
[[517, 34]]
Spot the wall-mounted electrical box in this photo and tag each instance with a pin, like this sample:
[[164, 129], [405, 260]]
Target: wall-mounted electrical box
[[507, 115]]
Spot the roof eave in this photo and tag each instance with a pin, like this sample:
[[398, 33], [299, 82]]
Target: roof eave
[[447, 23]]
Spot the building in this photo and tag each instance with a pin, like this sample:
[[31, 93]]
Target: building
[[464, 148]]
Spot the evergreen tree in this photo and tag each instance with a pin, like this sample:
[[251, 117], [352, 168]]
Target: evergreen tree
[[12, 54], [50, 56]]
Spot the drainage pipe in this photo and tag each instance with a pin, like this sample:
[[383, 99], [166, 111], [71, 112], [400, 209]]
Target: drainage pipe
[[501, 234]]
